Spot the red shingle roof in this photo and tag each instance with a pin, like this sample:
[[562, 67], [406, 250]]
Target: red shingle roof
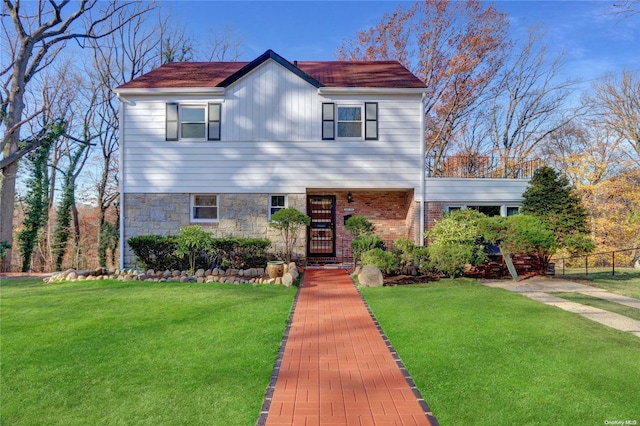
[[375, 74]]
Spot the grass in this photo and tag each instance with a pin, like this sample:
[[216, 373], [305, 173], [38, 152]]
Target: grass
[[487, 356], [101, 352], [596, 302], [626, 281]]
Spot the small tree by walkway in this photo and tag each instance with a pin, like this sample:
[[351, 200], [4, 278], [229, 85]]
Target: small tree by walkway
[[289, 222]]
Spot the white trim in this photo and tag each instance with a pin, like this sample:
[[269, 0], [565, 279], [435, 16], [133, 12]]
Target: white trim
[[370, 91], [171, 91], [286, 203], [422, 171], [337, 121], [121, 148], [192, 205], [464, 206]]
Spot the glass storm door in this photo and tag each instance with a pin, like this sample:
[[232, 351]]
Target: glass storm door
[[321, 241]]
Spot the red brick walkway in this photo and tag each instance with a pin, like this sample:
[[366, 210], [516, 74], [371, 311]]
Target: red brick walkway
[[336, 368]]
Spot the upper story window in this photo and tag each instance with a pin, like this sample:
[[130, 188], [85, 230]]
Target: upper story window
[[350, 121], [193, 121]]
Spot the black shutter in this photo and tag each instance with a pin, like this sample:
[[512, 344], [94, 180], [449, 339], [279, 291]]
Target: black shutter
[[371, 120], [215, 122], [171, 122], [328, 121]]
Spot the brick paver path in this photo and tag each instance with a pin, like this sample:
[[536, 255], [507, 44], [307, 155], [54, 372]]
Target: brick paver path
[[337, 368]]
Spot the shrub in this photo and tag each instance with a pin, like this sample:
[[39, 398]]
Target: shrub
[[4, 246], [159, 253], [381, 259], [358, 226], [289, 222], [522, 233], [455, 241], [191, 243], [365, 243], [156, 252]]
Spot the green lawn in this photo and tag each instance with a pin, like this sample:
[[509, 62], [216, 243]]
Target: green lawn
[[483, 356], [596, 302], [90, 353], [626, 281]]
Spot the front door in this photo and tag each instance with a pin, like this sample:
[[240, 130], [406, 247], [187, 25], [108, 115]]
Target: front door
[[321, 240]]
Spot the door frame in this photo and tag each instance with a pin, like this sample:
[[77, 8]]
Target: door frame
[[332, 225]]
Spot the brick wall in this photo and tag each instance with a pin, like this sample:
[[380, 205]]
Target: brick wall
[[392, 213]]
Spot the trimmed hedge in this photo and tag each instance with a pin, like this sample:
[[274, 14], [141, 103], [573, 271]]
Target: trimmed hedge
[[159, 253]]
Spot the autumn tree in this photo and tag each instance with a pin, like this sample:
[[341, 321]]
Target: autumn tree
[[529, 104], [36, 33], [455, 48], [617, 104]]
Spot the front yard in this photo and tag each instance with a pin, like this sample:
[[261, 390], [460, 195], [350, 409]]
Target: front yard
[[485, 356], [106, 352]]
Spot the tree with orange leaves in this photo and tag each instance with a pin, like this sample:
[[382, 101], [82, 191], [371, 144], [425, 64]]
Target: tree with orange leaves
[[456, 48]]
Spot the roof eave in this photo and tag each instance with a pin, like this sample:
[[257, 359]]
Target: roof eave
[[372, 90], [216, 91]]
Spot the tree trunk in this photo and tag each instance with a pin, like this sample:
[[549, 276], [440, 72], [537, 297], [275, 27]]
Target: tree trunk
[[7, 201]]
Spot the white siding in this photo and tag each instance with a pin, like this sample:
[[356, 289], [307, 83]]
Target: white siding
[[271, 142], [465, 190]]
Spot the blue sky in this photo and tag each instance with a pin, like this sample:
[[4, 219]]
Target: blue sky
[[595, 41]]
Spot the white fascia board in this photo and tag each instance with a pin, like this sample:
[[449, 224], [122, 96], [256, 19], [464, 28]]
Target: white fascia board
[[369, 91], [218, 91]]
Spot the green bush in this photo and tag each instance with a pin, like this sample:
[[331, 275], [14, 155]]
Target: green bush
[[455, 241], [289, 222], [364, 243], [159, 253], [193, 242], [381, 259], [358, 226], [4, 246]]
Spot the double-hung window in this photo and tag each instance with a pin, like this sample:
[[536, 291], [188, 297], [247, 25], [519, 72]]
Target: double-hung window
[[350, 121], [276, 202], [204, 208], [193, 121]]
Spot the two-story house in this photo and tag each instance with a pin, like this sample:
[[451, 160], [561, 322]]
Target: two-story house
[[226, 144]]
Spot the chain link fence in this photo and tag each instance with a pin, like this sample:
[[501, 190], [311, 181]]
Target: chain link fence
[[606, 261]]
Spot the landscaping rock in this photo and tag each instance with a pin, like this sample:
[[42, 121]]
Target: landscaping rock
[[200, 273], [287, 279], [294, 273], [370, 276]]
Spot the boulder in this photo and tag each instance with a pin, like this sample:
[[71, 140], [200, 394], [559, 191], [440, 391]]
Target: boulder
[[200, 273], [370, 276], [294, 273], [287, 279]]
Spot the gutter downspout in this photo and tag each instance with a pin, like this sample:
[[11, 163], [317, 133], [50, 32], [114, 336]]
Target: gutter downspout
[[121, 180], [423, 150]]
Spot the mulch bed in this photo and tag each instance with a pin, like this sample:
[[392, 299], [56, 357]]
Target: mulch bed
[[409, 279]]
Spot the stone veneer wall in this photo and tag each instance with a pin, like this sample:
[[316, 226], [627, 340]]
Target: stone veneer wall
[[241, 215]]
